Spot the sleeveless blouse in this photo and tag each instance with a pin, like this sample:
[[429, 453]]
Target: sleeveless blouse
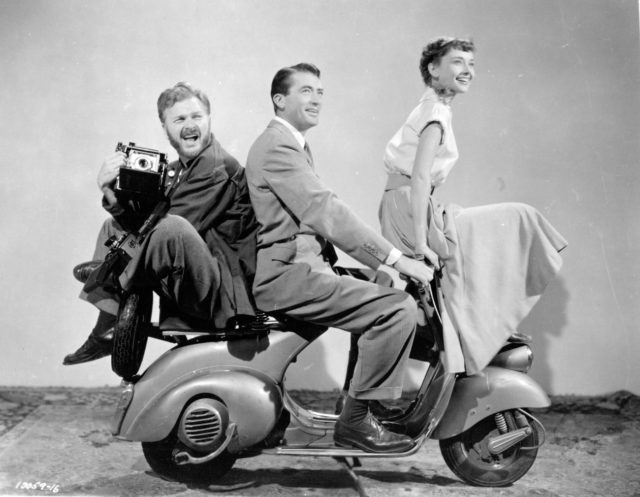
[[400, 153]]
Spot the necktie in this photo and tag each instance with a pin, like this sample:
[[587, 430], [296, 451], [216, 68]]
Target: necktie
[[307, 151]]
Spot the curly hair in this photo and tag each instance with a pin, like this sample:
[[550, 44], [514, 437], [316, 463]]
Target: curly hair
[[438, 48], [180, 91]]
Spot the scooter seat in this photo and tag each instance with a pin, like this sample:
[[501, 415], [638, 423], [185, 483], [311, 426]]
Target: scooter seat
[[172, 325]]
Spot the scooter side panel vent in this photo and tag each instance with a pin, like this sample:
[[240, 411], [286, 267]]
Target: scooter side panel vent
[[203, 424]]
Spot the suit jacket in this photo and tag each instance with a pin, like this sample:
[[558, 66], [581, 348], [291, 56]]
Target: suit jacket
[[298, 215]]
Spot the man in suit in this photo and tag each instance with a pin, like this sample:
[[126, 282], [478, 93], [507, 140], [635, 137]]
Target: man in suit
[[200, 257], [300, 221]]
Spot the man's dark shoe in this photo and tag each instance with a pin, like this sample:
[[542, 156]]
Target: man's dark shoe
[[93, 348], [98, 344], [82, 271], [378, 409], [370, 436]]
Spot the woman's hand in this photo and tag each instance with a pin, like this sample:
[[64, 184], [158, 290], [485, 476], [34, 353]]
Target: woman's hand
[[422, 251]]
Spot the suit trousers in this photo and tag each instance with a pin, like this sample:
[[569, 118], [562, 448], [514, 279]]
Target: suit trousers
[[384, 318], [174, 261]]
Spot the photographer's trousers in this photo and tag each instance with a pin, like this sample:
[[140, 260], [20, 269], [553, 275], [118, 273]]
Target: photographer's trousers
[[174, 261]]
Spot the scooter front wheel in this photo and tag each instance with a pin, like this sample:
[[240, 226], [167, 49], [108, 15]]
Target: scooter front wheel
[[160, 456], [468, 455]]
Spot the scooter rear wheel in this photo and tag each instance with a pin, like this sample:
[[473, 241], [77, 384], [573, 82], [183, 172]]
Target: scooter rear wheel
[[160, 454], [467, 455]]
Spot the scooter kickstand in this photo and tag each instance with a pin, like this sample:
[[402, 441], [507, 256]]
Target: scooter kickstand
[[349, 469]]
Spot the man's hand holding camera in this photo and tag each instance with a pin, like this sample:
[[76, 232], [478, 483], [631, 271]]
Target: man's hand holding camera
[[109, 173]]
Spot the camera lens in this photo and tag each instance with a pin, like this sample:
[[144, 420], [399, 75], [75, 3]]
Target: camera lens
[[143, 163]]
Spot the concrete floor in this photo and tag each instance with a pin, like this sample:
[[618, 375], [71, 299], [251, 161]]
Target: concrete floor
[[56, 441]]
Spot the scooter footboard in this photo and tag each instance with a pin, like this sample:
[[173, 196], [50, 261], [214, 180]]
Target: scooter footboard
[[486, 393]]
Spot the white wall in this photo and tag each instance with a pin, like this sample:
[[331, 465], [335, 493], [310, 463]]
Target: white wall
[[552, 120]]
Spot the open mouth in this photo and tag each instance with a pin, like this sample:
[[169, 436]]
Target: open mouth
[[190, 138]]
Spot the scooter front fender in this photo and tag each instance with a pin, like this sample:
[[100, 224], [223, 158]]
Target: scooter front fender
[[254, 402], [486, 393]]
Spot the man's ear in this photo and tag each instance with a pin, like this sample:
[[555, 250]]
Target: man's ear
[[278, 101]]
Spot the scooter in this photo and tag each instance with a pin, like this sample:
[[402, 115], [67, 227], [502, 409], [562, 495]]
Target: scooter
[[219, 396]]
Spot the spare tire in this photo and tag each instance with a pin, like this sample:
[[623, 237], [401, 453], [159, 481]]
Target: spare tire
[[130, 333]]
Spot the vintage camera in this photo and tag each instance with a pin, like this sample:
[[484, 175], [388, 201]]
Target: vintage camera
[[143, 176]]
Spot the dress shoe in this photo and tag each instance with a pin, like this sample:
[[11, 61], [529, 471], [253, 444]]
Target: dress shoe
[[377, 408], [370, 436], [93, 348], [82, 271], [99, 343]]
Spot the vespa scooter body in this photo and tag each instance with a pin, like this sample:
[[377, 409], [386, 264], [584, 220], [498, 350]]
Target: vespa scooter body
[[217, 397], [246, 374]]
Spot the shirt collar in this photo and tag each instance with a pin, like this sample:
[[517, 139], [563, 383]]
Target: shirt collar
[[296, 134]]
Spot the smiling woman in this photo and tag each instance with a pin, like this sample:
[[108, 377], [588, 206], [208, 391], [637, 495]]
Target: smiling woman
[[484, 250]]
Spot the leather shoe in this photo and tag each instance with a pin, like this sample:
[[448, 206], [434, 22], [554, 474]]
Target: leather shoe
[[82, 271], [370, 436], [98, 344], [93, 348], [377, 408]]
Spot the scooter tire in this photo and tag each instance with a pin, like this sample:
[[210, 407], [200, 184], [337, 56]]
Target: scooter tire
[[130, 333], [467, 455], [160, 454]]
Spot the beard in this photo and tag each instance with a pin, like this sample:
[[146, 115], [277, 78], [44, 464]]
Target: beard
[[183, 149]]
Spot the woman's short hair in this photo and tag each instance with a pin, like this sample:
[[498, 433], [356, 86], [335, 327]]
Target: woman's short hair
[[438, 48], [180, 91]]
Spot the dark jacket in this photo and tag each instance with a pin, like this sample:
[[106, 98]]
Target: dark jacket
[[212, 195]]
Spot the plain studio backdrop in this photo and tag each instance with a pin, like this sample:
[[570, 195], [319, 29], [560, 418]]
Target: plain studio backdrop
[[552, 119]]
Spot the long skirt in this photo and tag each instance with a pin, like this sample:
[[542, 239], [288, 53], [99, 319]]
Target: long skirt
[[497, 260]]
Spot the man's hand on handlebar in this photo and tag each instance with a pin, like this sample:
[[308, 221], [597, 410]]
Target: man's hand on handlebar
[[415, 269]]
